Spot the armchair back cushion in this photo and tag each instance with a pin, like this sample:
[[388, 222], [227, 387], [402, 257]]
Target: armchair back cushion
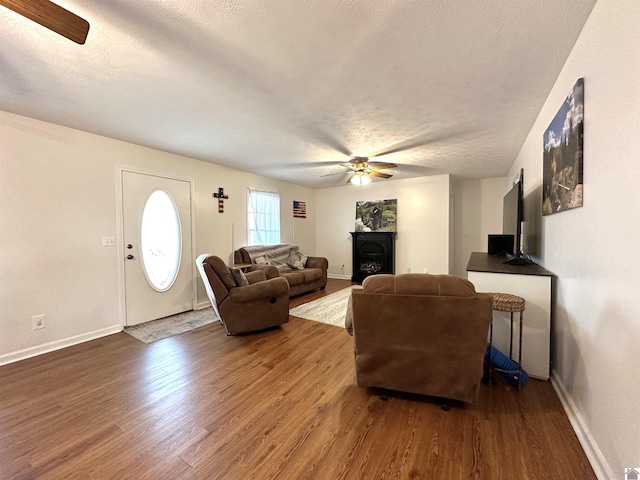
[[420, 333], [419, 284]]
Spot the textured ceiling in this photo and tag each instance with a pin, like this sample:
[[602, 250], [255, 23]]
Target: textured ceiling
[[290, 88]]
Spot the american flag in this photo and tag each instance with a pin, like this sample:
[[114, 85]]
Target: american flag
[[299, 209]]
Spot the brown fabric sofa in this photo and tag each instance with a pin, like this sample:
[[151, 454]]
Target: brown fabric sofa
[[311, 275], [420, 333], [261, 304]]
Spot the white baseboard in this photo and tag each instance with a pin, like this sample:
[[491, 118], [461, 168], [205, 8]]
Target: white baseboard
[[338, 277], [597, 460], [57, 345]]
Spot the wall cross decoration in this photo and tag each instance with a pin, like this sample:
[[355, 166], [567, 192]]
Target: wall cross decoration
[[221, 197]]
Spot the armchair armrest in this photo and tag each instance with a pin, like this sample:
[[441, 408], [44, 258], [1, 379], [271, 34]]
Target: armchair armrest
[[269, 270], [348, 318], [257, 291], [317, 262], [256, 276]]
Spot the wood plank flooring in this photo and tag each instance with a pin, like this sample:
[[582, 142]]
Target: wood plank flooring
[[281, 404]]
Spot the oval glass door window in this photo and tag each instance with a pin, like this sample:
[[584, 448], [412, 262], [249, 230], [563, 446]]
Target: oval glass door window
[[160, 240]]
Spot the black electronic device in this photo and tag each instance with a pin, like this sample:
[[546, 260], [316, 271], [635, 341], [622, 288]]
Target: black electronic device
[[500, 244], [512, 217]]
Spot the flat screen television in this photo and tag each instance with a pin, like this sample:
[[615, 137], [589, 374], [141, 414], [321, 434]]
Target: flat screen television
[[512, 217]]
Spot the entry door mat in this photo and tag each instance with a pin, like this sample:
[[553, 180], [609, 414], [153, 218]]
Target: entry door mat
[[155, 330]]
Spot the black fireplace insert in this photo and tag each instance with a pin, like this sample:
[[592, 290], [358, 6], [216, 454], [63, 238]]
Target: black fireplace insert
[[373, 252]]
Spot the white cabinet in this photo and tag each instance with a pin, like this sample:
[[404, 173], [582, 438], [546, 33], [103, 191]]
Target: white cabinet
[[531, 282]]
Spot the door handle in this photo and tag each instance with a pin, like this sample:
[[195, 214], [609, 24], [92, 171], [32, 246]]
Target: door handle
[[129, 257], [129, 246]]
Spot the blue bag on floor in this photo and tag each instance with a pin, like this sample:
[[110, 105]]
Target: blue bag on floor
[[500, 361]]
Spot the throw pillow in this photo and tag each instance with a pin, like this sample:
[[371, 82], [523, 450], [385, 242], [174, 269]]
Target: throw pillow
[[296, 259], [262, 260], [239, 277]]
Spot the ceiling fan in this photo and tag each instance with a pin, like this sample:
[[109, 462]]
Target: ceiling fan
[[51, 16], [362, 170]]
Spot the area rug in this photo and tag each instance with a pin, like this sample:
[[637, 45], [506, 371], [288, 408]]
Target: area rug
[[155, 330], [330, 309]]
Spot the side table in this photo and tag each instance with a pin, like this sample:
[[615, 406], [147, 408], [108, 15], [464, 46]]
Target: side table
[[242, 266], [504, 302]]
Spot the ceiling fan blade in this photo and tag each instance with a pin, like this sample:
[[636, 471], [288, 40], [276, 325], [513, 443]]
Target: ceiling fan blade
[[381, 166], [51, 16], [373, 173], [332, 174], [418, 141]]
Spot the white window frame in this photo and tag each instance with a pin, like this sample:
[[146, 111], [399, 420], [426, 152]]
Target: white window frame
[[263, 217]]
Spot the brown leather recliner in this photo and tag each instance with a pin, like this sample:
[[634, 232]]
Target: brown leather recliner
[[261, 304], [420, 333]]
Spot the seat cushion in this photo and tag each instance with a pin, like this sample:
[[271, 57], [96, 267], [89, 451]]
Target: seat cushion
[[311, 274], [294, 277]]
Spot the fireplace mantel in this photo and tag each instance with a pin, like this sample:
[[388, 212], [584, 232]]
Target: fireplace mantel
[[373, 252]]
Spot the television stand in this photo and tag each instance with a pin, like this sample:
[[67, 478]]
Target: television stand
[[534, 284]]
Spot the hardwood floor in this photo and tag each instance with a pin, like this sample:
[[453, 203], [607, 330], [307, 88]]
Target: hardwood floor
[[278, 404]]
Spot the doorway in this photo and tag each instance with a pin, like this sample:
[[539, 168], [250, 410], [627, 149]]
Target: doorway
[[157, 237]]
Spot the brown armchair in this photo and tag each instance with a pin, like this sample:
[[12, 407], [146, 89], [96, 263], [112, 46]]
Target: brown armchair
[[261, 304], [420, 333]]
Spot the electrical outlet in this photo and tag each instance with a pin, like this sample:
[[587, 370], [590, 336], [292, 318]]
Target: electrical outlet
[[108, 242], [408, 269], [425, 270], [37, 322]]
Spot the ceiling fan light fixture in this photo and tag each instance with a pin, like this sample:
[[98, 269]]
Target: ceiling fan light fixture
[[360, 179]]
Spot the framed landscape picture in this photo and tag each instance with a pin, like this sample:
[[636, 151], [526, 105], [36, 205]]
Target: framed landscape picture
[[378, 216], [562, 182]]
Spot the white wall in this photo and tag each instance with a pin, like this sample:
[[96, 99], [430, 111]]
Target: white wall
[[596, 334], [478, 212], [423, 222], [58, 199]]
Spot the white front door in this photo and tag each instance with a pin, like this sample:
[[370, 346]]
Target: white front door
[[158, 263]]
